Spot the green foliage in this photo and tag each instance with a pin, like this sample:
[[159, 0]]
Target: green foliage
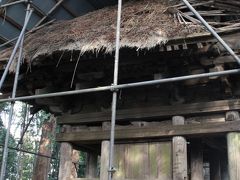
[[27, 159], [12, 160], [53, 174], [31, 143], [4, 107], [82, 164]]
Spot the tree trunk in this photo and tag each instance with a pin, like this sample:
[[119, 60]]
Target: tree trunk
[[42, 163]]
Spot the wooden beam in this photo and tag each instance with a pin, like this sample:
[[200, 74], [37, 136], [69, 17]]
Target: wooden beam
[[153, 112], [151, 132]]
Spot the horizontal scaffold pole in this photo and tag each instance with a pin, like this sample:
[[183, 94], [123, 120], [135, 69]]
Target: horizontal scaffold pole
[[124, 86], [29, 152]]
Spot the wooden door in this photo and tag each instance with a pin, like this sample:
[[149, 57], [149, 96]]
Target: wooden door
[[143, 161]]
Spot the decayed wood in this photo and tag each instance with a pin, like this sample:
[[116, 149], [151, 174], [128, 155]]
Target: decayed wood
[[68, 158], [153, 112], [65, 161], [233, 144], [152, 132], [179, 152], [232, 116], [133, 124], [179, 158], [104, 160], [196, 161]]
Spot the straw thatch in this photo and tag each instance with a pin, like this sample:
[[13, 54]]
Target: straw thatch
[[145, 24]]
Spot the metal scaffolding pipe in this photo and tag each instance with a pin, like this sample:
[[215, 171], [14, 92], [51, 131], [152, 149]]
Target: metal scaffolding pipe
[[29, 152], [211, 30], [50, 12], [13, 3], [5, 151], [123, 86], [15, 49], [111, 168]]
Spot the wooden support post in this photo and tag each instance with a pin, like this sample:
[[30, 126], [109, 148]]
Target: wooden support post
[[196, 161], [233, 145], [91, 169], [68, 157], [104, 160], [65, 161], [179, 147]]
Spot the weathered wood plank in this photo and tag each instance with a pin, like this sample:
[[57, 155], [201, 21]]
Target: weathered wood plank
[[164, 161], [152, 132], [140, 161], [104, 160], [196, 161], [153, 112], [65, 161]]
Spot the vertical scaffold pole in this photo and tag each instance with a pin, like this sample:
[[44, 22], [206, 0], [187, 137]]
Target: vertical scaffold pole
[[15, 49], [111, 169], [5, 151]]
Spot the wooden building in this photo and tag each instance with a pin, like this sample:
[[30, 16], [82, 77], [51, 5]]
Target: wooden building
[[170, 131]]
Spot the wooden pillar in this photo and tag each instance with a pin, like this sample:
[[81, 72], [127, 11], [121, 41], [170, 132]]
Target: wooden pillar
[[104, 160], [196, 161], [65, 161], [233, 145], [68, 157], [91, 169], [215, 170], [179, 146]]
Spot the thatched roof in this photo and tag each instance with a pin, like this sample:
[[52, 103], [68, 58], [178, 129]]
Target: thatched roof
[[145, 24]]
